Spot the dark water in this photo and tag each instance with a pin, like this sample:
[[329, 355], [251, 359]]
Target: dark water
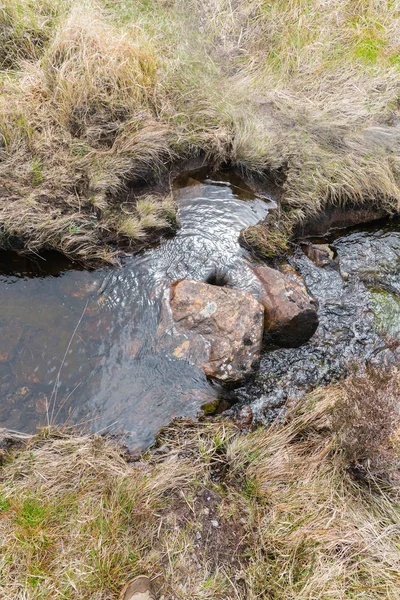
[[359, 313], [82, 347]]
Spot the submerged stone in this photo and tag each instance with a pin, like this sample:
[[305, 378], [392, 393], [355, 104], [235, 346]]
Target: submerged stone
[[223, 329], [320, 254], [290, 312]]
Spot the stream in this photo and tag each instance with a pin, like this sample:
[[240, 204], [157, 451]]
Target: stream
[[358, 297], [82, 348]]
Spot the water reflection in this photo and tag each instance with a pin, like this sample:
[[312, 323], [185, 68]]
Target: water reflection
[[83, 347]]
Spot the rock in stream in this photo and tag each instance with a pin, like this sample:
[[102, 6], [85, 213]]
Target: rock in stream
[[291, 317], [224, 327], [356, 326]]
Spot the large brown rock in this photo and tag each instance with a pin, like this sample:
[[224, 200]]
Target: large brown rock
[[290, 312], [223, 328]]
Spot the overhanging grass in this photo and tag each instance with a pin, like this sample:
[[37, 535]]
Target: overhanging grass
[[275, 514], [95, 95]]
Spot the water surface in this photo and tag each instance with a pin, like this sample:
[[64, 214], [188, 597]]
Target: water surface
[[359, 321], [82, 347]]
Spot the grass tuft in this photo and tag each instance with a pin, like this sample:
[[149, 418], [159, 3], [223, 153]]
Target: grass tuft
[[279, 513], [95, 95], [270, 238]]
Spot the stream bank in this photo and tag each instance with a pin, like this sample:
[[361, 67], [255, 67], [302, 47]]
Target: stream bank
[[83, 347]]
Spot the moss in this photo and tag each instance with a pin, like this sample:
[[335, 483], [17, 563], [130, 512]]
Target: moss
[[386, 309], [210, 408]]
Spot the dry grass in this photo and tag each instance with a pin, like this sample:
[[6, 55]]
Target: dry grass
[[95, 95], [212, 514], [365, 417], [79, 121], [88, 105]]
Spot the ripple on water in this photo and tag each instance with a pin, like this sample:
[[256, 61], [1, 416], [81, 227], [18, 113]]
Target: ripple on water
[[111, 373]]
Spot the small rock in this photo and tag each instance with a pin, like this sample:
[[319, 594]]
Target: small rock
[[290, 312], [320, 254], [41, 405], [344, 275], [135, 347], [214, 523], [244, 417], [161, 450]]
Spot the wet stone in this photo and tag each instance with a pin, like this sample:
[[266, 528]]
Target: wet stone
[[290, 312], [320, 254], [223, 328], [244, 418], [386, 309], [351, 324], [369, 253]]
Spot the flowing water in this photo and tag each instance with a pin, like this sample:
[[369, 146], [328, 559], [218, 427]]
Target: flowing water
[[83, 347], [359, 321]]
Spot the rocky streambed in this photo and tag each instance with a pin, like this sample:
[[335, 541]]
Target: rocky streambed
[[356, 283], [183, 324]]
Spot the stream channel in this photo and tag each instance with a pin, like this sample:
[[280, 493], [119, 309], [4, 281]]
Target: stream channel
[[81, 347]]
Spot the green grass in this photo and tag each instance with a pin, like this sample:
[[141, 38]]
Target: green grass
[[37, 173], [4, 504]]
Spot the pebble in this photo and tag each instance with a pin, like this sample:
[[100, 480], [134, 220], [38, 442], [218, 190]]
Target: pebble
[[215, 523]]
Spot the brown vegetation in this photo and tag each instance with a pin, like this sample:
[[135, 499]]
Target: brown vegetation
[[211, 513], [365, 418], [94, 96]]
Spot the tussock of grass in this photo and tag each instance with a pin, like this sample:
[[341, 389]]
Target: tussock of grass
[[25, 28], [279, 513], [93, 95], [150, 213], [270, 238]]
